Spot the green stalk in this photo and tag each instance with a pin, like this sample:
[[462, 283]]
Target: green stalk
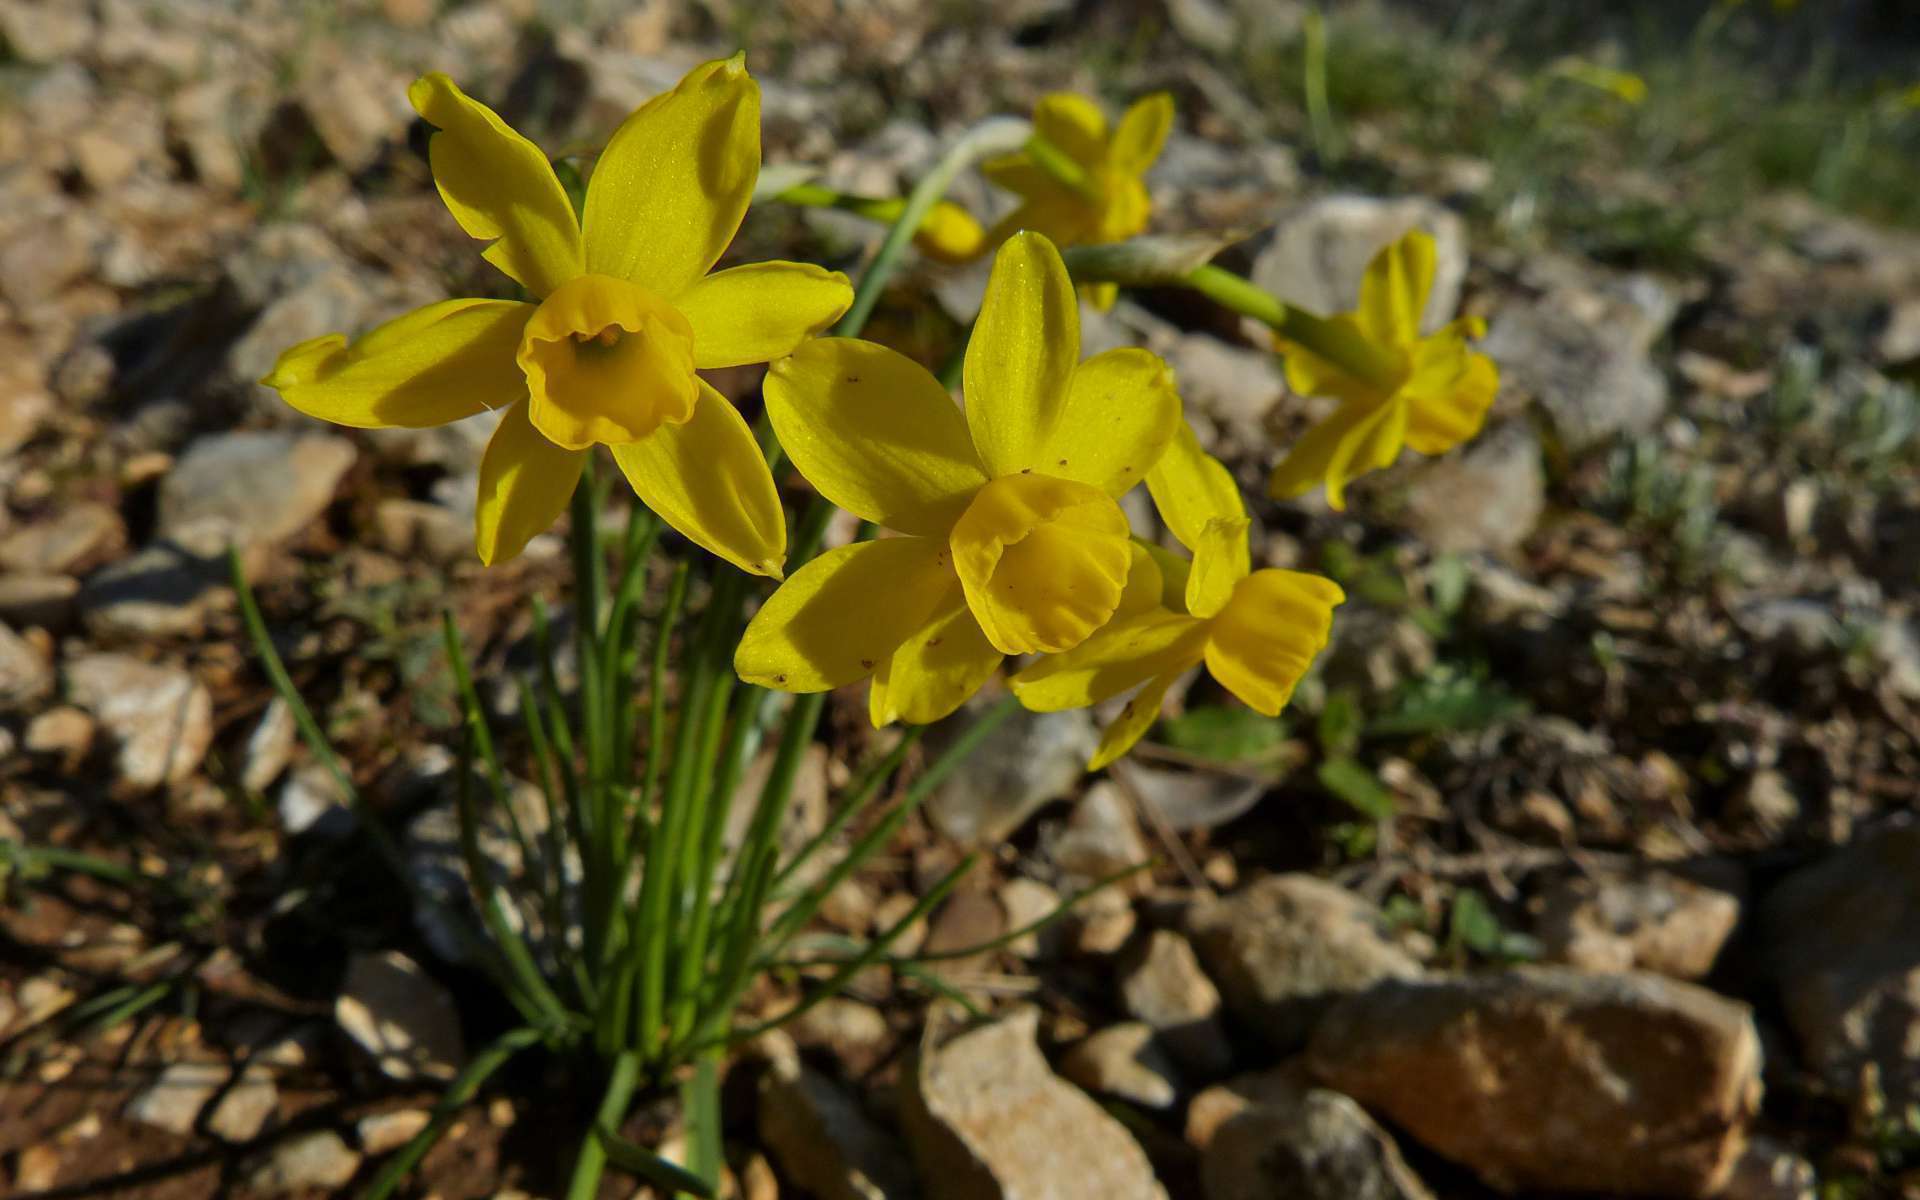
[[592, 1159], [310, 731], [477, 1071], [1326, 138], [999, 135], [815, 195], [1334, 341]]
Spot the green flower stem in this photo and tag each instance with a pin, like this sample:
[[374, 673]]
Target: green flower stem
[[1000, 135], [815, 195], [477, 1071], [592, 1160], [1338, 343]]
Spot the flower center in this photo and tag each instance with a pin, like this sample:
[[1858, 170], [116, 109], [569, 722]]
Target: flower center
[[606, 361], [1042, 560]]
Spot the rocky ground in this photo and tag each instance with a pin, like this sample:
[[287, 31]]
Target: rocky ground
[[1585, 865]]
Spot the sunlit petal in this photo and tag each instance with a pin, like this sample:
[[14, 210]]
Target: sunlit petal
[[525, 483], [1220, 562], [668, 192], [607, 361], [1120, 415], [1073, 123], [843, 614], [1142, 132], [757, 313], [431, 366], [936, 670], [1044, 561], [707, 479], [499, 187], [1393, 292], [1021, 358], [1190, 487], [1444, 411], [875, 433], [1138, 716], [1116, 658], [1264, 640]]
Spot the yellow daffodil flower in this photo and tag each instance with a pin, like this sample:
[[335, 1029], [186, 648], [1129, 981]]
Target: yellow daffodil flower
[[1428, 392], [1079, 183], [627, 314], [1012, 539], [1256, 631]]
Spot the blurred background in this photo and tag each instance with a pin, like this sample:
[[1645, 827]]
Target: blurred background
[[1624, 696]]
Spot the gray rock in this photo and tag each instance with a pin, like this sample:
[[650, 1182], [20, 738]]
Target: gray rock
[[1101, 838], [1125, 1061], [1309, 1144], [45, 33], [383, 1133], [1320, 250], [174, 1099], [269, 747], [1582, 351], [1161, 983], [1842, 952], [1770, 1171], [1184, 800], [1655, 922], [48, 601], [988, 1120], [26, 677], [311, 801], [163, 590], [1030, 760], [244, 1111], [357, 106], [159, 717], [1285, 947], [63, 541], [63, 731], [253, 488], [825, 1142], [400, 1016], [320, 1159], [1487, 496], [1548, 1079]]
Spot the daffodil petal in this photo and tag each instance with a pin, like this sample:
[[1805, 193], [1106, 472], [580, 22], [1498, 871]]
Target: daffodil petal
[[673, 183], [525, 483], [1120, 414], [1114, 659], [1044, 561], [936, 670], [431, 366], [1074, 124], [1058, 215], [1393, 292], [499, 187], [1138, 716], [1220, 561], [1174, 573], [1372, 444], [875, 433], [1017, 172], [1021, 358], [1308, 374], [1145, 584], [1441, 416], [757, 313], [1190, 487], [1263, 641], [1142, 132], [843, 614], [1327, 453], [707, 479]]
